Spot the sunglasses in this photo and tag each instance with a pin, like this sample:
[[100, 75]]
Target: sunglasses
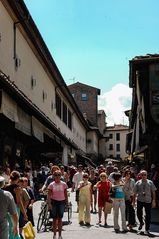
[[57, 174], [103, 176], [143, 174]]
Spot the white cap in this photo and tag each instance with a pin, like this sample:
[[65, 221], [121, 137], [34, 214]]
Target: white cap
[[2, 179], [2, 182]]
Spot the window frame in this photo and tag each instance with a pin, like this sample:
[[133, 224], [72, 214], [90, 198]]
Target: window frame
[[117, 147], [69, 119], [110, 146], [58, 106], [64, 113], [110, 136], [84, 96], [117, 136]]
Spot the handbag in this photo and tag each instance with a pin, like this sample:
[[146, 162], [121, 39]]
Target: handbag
[[108, 207], [28, 231]]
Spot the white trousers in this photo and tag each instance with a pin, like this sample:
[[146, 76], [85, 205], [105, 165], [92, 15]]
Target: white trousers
[[119, 204]]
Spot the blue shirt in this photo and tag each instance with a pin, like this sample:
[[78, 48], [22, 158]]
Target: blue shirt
[[119, 193]]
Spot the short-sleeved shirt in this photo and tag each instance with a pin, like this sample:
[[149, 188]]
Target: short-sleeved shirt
[[144, 190], [58, 190], [119, 192], [77, 177], [25, 196], [7, 205], [50, 179], [129, 188]]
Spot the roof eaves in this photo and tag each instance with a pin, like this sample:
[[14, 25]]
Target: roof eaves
[[19, 96], [33, 33]]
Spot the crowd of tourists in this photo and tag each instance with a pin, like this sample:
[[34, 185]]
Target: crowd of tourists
[[96, 191], [126, 189]]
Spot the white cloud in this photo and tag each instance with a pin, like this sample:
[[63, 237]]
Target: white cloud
[[114, 103]]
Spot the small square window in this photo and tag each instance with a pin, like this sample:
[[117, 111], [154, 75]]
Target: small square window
[[84, 96]]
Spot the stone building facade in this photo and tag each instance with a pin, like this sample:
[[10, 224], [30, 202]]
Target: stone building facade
[[116, 141], [38, 115], [144, 113], [86, 98]]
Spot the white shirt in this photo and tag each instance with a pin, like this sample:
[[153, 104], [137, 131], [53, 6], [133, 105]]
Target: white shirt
[[78, 177], [6, 177]]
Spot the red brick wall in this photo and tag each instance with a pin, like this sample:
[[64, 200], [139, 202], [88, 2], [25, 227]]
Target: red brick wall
[[90, 106]]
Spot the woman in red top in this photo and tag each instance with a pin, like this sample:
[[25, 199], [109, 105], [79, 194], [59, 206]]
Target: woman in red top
[[103, 187]]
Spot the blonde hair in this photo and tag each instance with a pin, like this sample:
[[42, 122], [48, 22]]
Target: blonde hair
[[54, 168], [23, 179], [103, 174]]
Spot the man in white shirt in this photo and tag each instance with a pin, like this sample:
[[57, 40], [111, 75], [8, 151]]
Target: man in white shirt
[[144, 192], [76, 179]]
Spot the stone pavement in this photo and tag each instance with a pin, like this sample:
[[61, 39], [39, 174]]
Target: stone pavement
[[75, 231]]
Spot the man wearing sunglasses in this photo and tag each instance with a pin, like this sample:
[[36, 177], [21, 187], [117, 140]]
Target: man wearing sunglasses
[[144, 191]]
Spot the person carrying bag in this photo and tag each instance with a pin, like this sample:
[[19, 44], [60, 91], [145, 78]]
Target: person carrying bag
[[28, 231]]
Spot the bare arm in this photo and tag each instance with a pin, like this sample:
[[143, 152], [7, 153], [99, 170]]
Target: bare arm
[[49, 198], [96, 185], [31, 204], [153, 199], [15, 224], [73, 187], [66, 196], [134, 199], [19, 202], [41, 190]]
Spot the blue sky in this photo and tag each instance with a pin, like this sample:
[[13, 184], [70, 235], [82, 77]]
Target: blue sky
[[92, 41]]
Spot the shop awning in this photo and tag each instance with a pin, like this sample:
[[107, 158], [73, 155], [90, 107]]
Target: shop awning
[[8, 107], [24, 122], [37, 129]]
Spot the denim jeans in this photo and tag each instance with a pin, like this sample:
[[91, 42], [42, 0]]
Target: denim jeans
[[58, 208]]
